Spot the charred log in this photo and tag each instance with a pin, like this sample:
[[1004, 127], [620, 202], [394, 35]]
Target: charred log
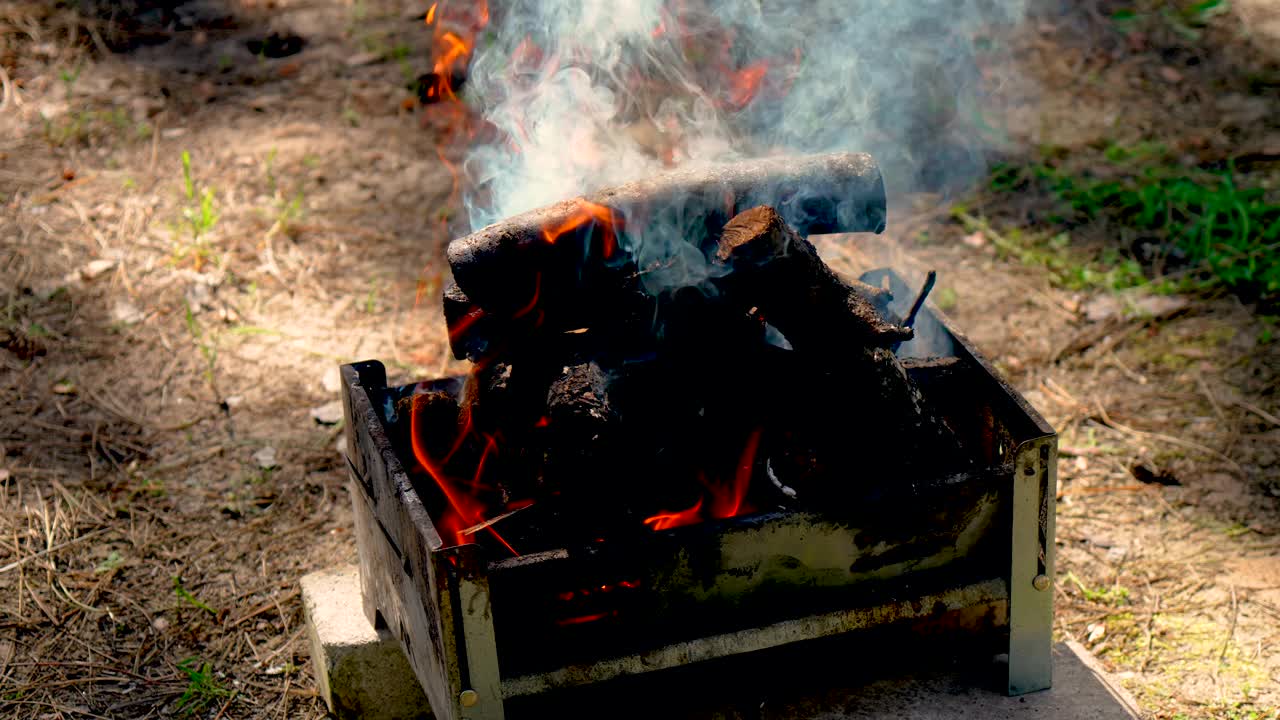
[[885, 418], [547, 258], [781, 273]]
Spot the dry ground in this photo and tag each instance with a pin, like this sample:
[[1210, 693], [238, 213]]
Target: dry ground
[[150, 547]]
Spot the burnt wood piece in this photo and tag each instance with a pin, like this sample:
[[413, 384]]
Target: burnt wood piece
[[501, 407], [582, 451], [551, 258], [471, 330], [837, 331], [435, 413], [781, 273]]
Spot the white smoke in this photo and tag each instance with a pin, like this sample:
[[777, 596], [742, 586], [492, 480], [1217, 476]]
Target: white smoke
[[590, 93]]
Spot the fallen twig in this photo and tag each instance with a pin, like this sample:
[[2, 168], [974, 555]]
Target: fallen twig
[[1258, 411], [1106, 420]]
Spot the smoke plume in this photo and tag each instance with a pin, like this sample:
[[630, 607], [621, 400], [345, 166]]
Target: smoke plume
[[583, 94]]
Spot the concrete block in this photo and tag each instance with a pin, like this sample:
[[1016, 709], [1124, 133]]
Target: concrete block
[[361, 672]]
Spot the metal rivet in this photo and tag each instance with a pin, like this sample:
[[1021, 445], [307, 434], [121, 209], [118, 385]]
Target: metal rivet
[[468, 698], [1041, 582]]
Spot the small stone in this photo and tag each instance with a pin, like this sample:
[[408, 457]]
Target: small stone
[[199, 297], [1102, 308], [1096, 631], [1158, 306], [331, 381], [126, 312], [266, 458], [363, 58], [975, 240], [328, 414], [160, 624], [1170, 74], [96, 268], [66, 387]]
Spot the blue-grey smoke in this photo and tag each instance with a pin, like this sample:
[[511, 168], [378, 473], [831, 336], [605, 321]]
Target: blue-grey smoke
[[590, 93]]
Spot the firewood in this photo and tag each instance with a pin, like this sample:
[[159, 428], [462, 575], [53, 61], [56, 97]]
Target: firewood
[[839, 338], [782, 274], [547, 258]]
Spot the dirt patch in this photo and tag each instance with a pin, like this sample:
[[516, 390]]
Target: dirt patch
[[167, 334]]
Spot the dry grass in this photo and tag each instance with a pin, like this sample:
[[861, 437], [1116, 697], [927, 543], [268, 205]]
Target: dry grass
[[148, 561]]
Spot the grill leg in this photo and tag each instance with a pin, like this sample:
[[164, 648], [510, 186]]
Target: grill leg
[[481, 699], [1031, 569]]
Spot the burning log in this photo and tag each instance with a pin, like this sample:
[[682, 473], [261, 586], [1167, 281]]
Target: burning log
[[546, 258], [781, 273]]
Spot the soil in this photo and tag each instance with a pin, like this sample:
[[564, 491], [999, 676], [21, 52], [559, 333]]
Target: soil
[[169, 465]]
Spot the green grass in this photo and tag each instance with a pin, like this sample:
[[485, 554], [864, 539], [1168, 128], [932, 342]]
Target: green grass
[[1227, 232], [202, 688], [1187, 19], [199, 217], [1069, 267], [186, 596], [1117, 595]]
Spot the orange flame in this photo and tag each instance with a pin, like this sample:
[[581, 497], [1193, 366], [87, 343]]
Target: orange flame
[[464, 510], [745, 83], [668, 520], [588, 212], [454, 46]]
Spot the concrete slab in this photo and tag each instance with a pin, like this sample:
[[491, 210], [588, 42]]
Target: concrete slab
[[361, 672], [364, 674]]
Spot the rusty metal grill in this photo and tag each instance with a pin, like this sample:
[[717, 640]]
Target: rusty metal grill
[[479, 630]]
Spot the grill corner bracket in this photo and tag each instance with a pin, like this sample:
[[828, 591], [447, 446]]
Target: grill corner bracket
[[1031, 566]]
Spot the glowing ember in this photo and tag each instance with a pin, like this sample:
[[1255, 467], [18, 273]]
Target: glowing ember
[[586, 618]]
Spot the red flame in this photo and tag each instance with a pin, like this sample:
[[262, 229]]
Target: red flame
[[588, 212], [464, 509], [431, 14], [668, 520], [533, 301], [474, 313], [728, 499], [727, 502], [586, 618]]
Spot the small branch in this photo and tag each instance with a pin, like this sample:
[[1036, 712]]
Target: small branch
[[1258, 411], [929, 280]]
